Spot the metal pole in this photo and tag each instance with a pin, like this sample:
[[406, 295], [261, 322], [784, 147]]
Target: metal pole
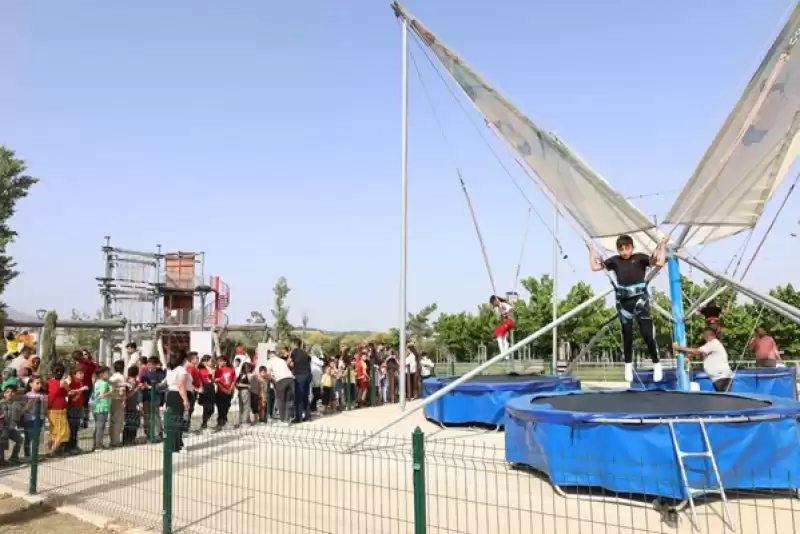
[[678, 326], [790, 312], [554, 365], [403, 213], [104, 355], [485, 365]]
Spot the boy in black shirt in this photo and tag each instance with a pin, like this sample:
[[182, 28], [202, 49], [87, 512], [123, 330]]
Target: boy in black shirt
[[633, 301]]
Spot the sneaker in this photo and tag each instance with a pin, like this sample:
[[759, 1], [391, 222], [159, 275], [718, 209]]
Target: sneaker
[[628, 372], [658, 372]]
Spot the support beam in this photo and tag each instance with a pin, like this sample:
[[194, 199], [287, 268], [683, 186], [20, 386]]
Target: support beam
[[485, 365], [664, 313], [707, 296], [678, 326], [790, 312], [108, 324], [246, 327]]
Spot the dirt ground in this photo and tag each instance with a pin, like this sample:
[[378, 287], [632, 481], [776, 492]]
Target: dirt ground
[[18, 516]]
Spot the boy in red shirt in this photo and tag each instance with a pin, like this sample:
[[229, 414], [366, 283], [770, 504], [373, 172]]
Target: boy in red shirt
[[76, 404]]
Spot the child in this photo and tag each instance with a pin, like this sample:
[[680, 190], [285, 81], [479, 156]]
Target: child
[[715, 360], [633, 299], [119, 394], [35, 393], [10, 414], [207, 391], [266, 391], [102, 405], [243, 392], [362, 380], [504, 309], [712, 314], [327, 382], [75, 408], [152, 399], [255, 395], [132, 405]]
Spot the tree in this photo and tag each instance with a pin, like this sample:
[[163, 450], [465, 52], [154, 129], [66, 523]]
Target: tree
[[251, 339], [281, 328], [418, 327], [14, 185], [304, 320], [85, 338], [47, 346]]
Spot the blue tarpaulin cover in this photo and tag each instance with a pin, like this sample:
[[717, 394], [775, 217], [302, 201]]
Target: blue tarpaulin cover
[[781, 382], [482, 400], [574, 449]]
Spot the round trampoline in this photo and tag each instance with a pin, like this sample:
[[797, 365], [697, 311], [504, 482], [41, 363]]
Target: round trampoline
[[482, 399], [780, 382], [629, 442]]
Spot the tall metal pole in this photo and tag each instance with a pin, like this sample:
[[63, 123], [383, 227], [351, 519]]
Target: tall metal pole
[[403, 212], [678, 326], [554, 364], [104, 357]]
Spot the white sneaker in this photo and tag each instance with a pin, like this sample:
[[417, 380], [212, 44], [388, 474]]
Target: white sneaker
[[658, 373], [628, 372]]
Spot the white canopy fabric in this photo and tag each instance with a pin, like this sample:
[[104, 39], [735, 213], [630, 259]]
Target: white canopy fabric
[[601, 211], [751, 154]]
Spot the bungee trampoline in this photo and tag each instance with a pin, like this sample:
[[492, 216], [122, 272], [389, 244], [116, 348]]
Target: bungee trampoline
[[482, 399], [630, 442], [776, 382]]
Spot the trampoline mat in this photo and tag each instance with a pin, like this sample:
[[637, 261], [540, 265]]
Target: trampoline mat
[[651, 402], [504, 379]]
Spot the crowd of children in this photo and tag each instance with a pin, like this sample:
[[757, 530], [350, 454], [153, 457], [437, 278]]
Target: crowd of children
[[131, 395]]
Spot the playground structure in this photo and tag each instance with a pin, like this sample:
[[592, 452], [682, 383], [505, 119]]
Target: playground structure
[[157, 300]]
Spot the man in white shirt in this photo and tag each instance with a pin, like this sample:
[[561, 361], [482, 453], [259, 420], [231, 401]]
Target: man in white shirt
[[283, 379], [715, 360], [133, 355]]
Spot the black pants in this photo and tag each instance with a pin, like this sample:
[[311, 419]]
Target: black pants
[[192, 401], [207, 402], [223, 407], [722, 385], [642, 316], [316, 395], [131, 428], [174, 421], [74, 418], [284, 389]]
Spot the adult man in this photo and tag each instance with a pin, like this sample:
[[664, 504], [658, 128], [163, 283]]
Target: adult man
[[280, 375], [18, 362], [633, 301], [301, 365], [715, 359], [765, 349], [133, 354]]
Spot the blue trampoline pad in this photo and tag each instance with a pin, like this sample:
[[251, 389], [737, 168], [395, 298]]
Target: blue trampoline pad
[[481, 400], [621, 440]]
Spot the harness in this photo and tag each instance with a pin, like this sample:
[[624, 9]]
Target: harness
[[636, 293]]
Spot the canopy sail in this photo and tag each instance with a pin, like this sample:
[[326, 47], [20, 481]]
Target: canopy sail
[[601, 211], [751, 154]]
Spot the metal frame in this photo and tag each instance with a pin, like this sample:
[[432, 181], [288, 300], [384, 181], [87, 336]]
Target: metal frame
[[485, 365]]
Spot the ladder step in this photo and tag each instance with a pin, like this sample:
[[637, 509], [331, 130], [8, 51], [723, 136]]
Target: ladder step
[[709, 490], [696, 454]]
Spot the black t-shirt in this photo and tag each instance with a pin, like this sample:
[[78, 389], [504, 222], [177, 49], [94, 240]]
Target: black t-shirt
[[301, 361], [711, 311], [631, 271]]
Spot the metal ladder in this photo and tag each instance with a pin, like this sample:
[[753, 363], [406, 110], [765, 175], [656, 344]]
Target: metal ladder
[[707, 453]]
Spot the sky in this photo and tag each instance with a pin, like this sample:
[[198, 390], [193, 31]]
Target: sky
[[267, 134]]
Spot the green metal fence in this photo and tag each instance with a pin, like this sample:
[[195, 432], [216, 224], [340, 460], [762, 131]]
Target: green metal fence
[[266, 478]]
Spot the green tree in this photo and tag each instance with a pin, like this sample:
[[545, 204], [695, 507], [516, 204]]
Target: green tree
[[47, 347], [281, 328], [14, 186], [85, 338], [419, 326]]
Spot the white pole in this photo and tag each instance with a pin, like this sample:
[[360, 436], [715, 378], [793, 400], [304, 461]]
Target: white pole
[[555, 290], [403, 214], [485, 365]]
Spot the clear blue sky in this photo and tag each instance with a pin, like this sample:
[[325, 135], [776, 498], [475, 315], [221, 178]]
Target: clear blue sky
[[267, 134]]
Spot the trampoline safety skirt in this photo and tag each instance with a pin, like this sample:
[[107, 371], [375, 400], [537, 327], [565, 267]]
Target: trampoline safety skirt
[[781, 382], [482, 399], [620, 440]]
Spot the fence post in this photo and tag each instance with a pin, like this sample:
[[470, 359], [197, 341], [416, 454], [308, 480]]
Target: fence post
[[151, 416], [418, 465], [452, 366], [33, 476], [347, 389], [372, 386], [166, 476]]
